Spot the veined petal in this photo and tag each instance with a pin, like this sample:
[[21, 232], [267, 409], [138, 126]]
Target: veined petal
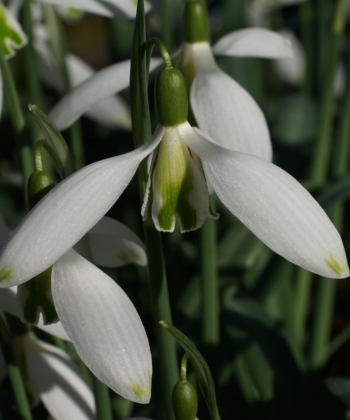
[[110, 8], [228, 113], [104, 326], [101, 85], [66, 213], [8, 303], [58, 382], [254, 42], [274, 206], [111, 244]]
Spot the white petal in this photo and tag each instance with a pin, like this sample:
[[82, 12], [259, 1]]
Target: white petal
[[102, 85], [254, 42], [292, 70], [274, 206], [228, 113], [66, 213], [58, 382], [110, 8], [104, 326], [8, 303], [111, 244]]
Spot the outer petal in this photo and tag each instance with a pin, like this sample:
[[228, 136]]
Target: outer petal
[[66, 213], [111, 244], [254, 42], [103, 326], [110, 8], [274, 206], [8, 304], [58, 382], [227, 112], [102, 85]]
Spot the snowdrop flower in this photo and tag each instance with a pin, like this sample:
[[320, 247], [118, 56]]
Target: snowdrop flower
[[50, 374], [12, 38], [221, 107], [271, 203]]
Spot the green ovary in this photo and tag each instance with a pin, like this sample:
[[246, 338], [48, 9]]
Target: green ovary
[[173, 184]]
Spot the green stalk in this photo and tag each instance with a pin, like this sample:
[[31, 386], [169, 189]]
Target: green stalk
[[58, 48], [31, 73], [209, 283], [156, 266], [307, 29], [323, 144], [102, 400], [166, 11], [14, 373]]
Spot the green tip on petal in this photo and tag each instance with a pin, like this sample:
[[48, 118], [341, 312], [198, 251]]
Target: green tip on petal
[[141, 392], [11, 35], [334, 265], [5, 273]]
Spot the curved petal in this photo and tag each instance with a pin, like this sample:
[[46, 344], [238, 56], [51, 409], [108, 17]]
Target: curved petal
[[111, 244], [104, 326], [110, 8], [228, 113], [58, 382], [8, 303], [274, 206], [102, 85], [254, 42], [66, 213]]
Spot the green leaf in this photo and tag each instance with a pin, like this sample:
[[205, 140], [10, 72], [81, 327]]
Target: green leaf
[[56, 141], [337, 192], [204, 377]]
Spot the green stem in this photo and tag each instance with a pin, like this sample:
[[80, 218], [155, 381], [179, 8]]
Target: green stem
[[323, 144], [209, 283], [11, 95], [307, 31], [338, 341], [156, 266], [102, 400], [166, 11], [58, 48], [14, 373], [31, 73]]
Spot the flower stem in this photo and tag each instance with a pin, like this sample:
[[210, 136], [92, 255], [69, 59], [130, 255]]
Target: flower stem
[[14, 373], [167, 22], [322, 149], [102, 399], [168, 365], [209, 283]]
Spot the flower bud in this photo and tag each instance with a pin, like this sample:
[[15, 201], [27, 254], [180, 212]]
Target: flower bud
[[39, 184]]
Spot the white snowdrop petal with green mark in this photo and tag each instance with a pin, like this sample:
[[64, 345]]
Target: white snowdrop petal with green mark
[[110, 8], [111, 244], [179, 189], [104, 326], [274, 206], [101, 85], [8, 304], [228, 113], [56, 379], [254, 42], [66, 213]]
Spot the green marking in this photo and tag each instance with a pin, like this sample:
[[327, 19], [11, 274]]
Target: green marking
[[127, 256], [174, 183], [5, 273], [334, 264], [139, 390], [10, 34]]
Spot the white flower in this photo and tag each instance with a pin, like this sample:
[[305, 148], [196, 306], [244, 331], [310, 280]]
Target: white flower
[[98, 317], [50, 374], [265, 198]]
